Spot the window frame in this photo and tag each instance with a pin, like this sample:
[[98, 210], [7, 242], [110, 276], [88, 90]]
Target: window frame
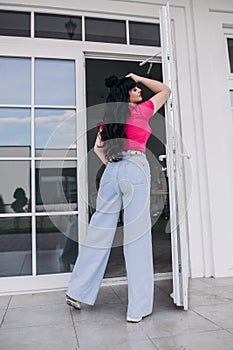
[[127, 19], [228, 34]]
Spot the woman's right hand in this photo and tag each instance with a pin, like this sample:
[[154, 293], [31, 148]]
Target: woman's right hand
[[135, 77]]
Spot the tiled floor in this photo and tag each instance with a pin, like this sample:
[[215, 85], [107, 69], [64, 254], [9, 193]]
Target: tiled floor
[[43, 321]]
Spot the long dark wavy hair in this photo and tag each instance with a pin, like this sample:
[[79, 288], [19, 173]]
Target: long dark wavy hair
[[115, 116]]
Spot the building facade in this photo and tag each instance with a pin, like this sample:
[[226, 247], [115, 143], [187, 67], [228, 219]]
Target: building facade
[[54, 56]]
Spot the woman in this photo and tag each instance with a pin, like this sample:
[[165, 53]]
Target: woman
[[121, 145]]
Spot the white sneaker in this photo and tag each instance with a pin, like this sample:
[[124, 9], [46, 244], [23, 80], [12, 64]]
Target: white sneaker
[[72, 302], [135, 320]]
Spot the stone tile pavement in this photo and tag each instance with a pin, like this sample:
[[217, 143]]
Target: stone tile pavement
[[43, 321]]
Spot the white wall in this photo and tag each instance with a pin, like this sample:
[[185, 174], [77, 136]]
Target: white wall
[[217, 124]]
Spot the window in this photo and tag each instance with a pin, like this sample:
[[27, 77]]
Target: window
[[105, 30], [15, 82], [230, 52], [57, 76], [144, 34], [14, 23], [231, 97], [66, 27], [56, 185], [15, 113], [58, 26], [36, 177], [15, 246]]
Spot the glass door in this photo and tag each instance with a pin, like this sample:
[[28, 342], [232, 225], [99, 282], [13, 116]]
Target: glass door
[[175, 156], [96, 94], [38, 160]]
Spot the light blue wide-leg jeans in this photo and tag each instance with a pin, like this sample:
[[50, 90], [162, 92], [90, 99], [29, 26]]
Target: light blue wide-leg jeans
[[124, 183]]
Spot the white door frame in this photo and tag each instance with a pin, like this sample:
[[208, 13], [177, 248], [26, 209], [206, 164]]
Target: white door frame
[[175, 154]]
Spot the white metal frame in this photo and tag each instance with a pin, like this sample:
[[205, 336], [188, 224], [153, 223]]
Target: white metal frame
[[33, 51], [175, 168]]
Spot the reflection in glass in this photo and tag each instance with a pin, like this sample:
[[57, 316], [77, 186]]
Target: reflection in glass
[[56, 185], [55, 128], [15, 82], [15, 186], [15, 246], [231, 97], [57, 243], [58, 26], [146, 34], [14, 23], [15, 132], [55, 82], [105, 30], [230, 51]]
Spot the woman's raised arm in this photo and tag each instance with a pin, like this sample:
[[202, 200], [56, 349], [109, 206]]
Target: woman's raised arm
[[161, 90]]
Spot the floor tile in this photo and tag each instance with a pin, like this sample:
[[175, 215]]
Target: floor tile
[[107, 296], [162, 300], [134, 345], [37, 316], [4, 301], [173, 322], [118, 335], [221, 314], [214, 340], [102, 314], [122, 292], [223, 281], [2, 313], [197, 283], [210, 295], [165, 285], [228, 288], [57, 337], [37, 299]]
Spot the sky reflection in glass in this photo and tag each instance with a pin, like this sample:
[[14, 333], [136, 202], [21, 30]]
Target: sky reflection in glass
[[15, 82], [54, 82], [15, 127], [55, 128]]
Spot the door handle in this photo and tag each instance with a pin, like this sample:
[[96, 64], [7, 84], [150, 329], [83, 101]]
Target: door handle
[[162, 157]]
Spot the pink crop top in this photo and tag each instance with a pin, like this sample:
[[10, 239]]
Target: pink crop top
[[137, 127]]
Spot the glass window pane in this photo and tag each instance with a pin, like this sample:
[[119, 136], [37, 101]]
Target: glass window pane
[[15, 139], [231, 97], [15, 82], [15, 246], [58, 26], [230, 50], [14, 23], [56, 185], [55, 130], [57, 243], [147, 34], [15, 186], [55, 82], [105, 30]]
